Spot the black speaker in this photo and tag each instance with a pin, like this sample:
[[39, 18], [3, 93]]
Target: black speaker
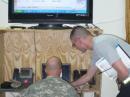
[[66, 72], [76, 75], [16, 74], [82, 72], [44, 75]]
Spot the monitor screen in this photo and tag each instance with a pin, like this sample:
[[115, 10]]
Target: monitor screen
[[50, 11], [51, 6], [26, 73]]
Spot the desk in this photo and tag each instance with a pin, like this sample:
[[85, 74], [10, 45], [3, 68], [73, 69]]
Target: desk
[[11, 90]]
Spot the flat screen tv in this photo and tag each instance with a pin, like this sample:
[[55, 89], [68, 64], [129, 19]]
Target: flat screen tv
[[50, 11]]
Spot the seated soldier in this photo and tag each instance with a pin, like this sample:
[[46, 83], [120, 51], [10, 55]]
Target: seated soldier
[[53, 85]]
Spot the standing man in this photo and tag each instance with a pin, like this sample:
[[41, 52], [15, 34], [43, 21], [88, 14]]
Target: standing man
[[102, 46], [53, 85]]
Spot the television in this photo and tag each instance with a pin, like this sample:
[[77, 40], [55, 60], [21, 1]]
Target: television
[[50, 12]]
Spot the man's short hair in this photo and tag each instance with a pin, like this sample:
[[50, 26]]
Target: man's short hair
[[57, 59], [79, 31]]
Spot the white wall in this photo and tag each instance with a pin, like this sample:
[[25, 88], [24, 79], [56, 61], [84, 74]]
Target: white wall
[[3, 14], [108, 15]]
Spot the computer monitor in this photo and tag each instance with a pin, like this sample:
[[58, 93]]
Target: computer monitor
[[26, 73], [51, 11]]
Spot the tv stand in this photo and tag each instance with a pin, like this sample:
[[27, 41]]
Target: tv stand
[[49, 26]]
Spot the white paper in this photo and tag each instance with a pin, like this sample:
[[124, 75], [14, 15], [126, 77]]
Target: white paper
[[107, 69]]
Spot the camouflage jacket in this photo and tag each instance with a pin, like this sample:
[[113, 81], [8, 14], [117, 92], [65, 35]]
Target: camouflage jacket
[[50, 87]]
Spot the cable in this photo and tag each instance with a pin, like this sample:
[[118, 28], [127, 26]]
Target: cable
[[104, 71], [4, 1]]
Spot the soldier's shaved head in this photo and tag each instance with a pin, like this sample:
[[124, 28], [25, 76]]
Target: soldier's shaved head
[[53, 66], [53, 62]]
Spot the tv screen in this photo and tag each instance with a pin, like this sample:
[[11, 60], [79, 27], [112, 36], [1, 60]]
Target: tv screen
[[26, 73], [50, 11]]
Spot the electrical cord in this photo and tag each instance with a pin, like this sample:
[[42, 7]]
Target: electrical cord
[[104, 71]]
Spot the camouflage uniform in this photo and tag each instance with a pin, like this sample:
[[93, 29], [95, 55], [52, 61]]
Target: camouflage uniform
[[50, 87]]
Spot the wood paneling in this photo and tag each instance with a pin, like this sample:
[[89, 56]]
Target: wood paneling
[[19, 51]]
